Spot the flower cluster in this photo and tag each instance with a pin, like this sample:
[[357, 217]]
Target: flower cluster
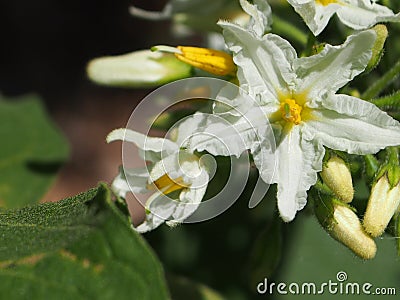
[[300, 104]]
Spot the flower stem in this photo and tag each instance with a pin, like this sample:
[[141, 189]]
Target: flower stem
[[376, 88], [389, 103], [371, 166], [393, 154], [287, 29]]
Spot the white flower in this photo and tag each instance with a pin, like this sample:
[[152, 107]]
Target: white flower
[[357, 14], [298, 96], [177, 178]]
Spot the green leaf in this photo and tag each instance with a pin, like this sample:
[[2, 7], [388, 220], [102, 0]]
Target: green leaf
[[111, 261], [44, 227], [32, 150]]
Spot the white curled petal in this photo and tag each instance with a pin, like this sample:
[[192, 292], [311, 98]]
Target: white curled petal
[[158, 209], [213, 134], [264, 155], [361, 14], [353, 125], [220, 136], [189, 200], [334, 66], [299, 160], [168, 165], [142, 141], [261, 17], [264, 64], [165, 14], [130, 180], [314, 15], [180, 164]]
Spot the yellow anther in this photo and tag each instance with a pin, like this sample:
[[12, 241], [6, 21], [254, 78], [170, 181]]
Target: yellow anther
[[291, 111], [326, 2], [213, 61], [167, 185]]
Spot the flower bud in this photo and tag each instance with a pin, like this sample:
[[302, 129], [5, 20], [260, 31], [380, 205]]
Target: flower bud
[[137, 69], [344, 226], [377, 49], [336, 175], [382, 205]]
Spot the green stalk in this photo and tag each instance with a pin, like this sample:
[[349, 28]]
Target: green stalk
[[389, 103], [377, 87], [371, 166], [287, 29]]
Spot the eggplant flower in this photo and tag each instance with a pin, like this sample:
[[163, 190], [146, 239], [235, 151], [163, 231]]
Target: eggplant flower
[[357, 14], [297, 96], [178, 179]]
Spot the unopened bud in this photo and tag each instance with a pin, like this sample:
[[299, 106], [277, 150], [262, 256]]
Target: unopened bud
[[336, 175], [382, 205], [344, 226], [377, 50], [137, 69]]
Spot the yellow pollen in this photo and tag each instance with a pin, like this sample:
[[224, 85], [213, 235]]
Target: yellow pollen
[[291, 111], [212, 61], [325, 2], [167, 185]]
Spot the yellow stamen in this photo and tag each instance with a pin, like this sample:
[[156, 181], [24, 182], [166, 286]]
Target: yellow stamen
[[326, 2], [291, 111], [213, 61], [167, 185]]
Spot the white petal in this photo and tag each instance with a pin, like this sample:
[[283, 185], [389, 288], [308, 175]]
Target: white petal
[[130, 180], [148, 144], [361, 14], [353, 125], [299, 161], [190, 199], [159, 208], [260, 13], [219, 136], [315, 16], [264, 63], [165, 14], [334, 66], [264, 154]]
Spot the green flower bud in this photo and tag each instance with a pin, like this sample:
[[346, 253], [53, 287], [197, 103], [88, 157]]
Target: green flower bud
[[336, 175], [343, 225], [382, 205], [137, 69], [377, 49]]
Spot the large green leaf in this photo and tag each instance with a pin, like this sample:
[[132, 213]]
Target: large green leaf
[[31, 151], [44, 227], [111, 261]]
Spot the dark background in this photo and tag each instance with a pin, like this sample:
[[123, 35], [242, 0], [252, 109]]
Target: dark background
[[45, 48]]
